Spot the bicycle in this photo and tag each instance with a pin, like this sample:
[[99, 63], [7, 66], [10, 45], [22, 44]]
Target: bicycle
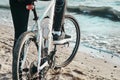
[[35, 52]]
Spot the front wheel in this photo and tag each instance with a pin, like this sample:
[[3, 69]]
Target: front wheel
[[66, 52]]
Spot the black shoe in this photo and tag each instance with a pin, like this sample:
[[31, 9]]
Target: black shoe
[[63, 38]]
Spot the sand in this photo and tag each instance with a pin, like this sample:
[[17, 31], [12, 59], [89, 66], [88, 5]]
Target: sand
[[87, 65]]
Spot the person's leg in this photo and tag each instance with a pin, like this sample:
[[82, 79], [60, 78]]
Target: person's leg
[[59, 14], [20, 17], [59, 35], [20, 20]]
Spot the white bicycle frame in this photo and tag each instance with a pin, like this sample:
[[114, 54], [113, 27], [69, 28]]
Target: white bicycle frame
[[49, 9]]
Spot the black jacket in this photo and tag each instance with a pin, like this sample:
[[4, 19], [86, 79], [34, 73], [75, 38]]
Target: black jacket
[[26, 1]]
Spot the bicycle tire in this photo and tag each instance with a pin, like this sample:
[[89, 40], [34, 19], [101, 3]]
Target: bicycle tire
[[75, 49], [17, 52]]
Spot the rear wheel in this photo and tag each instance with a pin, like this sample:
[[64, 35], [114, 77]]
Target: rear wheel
[[24, 56], [66, 52]]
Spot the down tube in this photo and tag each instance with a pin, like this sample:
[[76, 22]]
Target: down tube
[[39, 38]]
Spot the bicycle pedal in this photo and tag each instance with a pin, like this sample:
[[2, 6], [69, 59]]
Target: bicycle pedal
[[33, 68]]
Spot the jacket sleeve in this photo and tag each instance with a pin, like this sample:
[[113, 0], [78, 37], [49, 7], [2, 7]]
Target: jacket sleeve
[[26, 1]]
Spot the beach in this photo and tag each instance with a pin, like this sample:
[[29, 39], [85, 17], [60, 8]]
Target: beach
[[87, 65], [97, 58]]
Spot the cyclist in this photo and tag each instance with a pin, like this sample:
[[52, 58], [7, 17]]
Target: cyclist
[[20, 17]]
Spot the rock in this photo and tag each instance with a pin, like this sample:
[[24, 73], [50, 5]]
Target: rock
[[115, 66], [105, 61]]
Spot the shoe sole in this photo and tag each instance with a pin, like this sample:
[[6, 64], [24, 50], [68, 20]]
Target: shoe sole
[[62, 41]]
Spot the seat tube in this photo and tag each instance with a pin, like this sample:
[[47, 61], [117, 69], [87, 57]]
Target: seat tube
[[51, 14]]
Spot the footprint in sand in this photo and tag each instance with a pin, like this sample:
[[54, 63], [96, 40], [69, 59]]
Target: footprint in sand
[[67, 75]]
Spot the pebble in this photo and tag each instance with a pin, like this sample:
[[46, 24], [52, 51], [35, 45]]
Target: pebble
[[115, 66]]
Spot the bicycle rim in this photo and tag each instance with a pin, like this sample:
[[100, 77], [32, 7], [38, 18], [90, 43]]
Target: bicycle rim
[[65, 53]]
